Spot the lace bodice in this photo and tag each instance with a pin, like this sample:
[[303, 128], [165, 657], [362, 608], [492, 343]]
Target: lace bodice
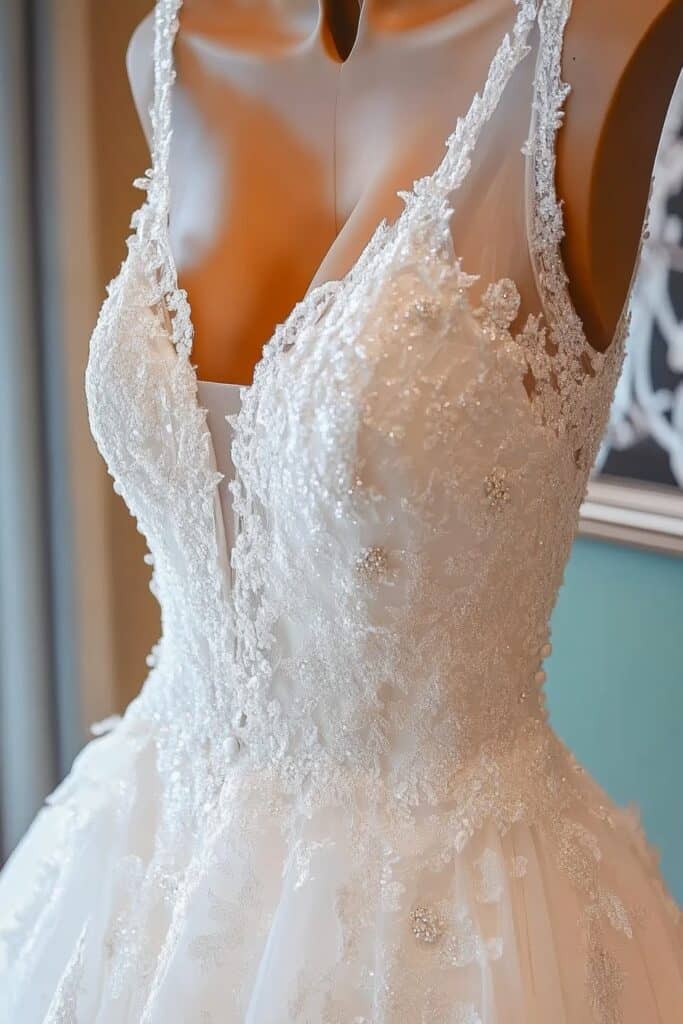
[[410, 461]]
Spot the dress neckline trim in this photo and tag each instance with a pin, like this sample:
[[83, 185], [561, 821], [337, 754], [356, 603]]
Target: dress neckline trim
[[543, 207], [450, 171]]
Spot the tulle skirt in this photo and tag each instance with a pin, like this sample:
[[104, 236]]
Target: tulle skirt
[[114, 909]]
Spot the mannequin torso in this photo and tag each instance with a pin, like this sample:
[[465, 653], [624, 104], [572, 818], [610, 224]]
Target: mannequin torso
[[295, 157]]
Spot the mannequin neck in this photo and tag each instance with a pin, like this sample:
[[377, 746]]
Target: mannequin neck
[[343, 20], [397, 15], [277, 24]]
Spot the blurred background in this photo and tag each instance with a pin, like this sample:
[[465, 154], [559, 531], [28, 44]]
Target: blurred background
[[76, 616]]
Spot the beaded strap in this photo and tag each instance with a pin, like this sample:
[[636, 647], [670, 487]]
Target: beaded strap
[[545, 226], [151, 222], [165, 31], [545, 223]]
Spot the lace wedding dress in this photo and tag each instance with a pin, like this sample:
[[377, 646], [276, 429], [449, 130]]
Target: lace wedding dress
[[338, 799]]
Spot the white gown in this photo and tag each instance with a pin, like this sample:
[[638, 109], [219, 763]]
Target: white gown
[[338, 799]]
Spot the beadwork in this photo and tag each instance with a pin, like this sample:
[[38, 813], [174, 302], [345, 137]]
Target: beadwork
[[496, 489], [426, 925], [372, 564], [424, 309]]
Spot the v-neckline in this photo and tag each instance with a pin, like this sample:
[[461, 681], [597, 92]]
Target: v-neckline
[[462, 141], [555, 299], [383, 227], [378, 239], [365, 32], [528, 12], [425, 193]]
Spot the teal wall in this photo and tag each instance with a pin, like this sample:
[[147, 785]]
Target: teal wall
[[615, 683]]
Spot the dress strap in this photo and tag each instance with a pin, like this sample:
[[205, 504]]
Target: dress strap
[[574, 382], [151, 221], [545, 223], [165, 30], [460, 145]]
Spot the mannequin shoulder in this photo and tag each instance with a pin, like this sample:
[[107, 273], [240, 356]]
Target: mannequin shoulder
[[622, 59], [617, 52], [140, 68], [619, 29]]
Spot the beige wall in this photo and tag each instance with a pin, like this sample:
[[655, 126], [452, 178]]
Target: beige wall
[[121, 154]]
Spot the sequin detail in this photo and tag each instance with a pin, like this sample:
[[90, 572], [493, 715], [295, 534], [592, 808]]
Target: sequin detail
[[425, 310], [496, 489], [372, 564], [426, 925]]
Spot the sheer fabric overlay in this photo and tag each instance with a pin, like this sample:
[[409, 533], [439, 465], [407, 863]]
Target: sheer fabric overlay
[[338, 798]]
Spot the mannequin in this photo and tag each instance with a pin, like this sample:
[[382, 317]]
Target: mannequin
[[303, 119], [622, 59]]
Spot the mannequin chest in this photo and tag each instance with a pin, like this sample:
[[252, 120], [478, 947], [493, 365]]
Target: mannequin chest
[[283, 163]]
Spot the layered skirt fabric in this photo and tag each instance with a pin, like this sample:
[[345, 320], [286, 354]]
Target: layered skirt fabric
[[114, 910]]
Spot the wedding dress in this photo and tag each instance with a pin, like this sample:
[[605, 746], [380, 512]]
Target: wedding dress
[[337, 799]]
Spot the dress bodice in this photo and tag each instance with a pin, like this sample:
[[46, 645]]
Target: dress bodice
[[410, 461]]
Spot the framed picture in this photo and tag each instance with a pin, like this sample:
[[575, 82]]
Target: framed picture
[[635, 495]]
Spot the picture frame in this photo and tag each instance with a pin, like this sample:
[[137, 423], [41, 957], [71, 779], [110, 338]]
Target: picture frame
[[635, 494]]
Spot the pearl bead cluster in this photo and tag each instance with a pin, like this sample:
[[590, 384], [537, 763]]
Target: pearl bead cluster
[[372, 564], [496, 489], [425, 310], [540, 676], [502, 301], [426, 925]]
